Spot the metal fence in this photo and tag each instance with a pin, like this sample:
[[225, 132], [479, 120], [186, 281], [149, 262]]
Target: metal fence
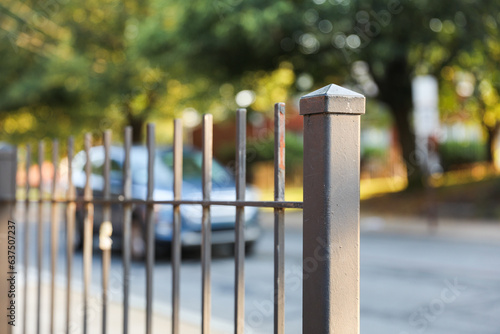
[[331, 220]]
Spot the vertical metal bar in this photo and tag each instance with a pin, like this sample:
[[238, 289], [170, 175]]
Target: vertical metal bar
[[206, 228], [105, 245], [239, 245], [106, 230], [12, 206], [40, 237], [176, 228], [88, 229], [70, 231], [150, 228], [331, 210], [279, 218], [13, 182], [106, 213], [54, 233], [26, 236], [127, 223], [8, 168]]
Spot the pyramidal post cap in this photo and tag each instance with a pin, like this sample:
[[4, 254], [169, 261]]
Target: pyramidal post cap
[[332, 99]]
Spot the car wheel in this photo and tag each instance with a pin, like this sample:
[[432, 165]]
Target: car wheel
[[138, 241], [250, 247]]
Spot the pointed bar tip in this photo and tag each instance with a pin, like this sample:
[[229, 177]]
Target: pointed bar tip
[[332, 99]]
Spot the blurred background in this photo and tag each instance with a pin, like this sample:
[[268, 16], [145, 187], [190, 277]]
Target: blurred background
[[430, 144], [429, 71]]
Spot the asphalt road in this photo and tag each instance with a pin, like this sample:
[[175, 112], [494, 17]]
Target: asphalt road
[[410, 283]]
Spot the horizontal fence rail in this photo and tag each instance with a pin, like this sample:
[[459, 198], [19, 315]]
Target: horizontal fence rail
[[259, 204], [328, 163]]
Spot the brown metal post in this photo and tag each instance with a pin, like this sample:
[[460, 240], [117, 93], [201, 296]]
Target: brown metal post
[[39, 238], [106, 230], [8, 168], [279, 219], [70, 231], [150, 228], [176, 226], [54, 235], [331, 210], [206, 227], [88, 228], [239, 244], [127, 225], [26, 238]]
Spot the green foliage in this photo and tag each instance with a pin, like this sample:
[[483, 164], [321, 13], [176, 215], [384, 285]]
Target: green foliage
[[374, 46], [377, 116], [88, 71], [88, 65], [453, 154], [373, 153], [262, 150]]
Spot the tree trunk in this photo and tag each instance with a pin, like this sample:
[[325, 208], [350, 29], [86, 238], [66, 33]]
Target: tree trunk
[[395, 91], [491, 139], [136, 121], [409, 150], [137, 124]]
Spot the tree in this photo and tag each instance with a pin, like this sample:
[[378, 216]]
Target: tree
[[35, 88], [125, 62], [473, 83], [81, 65], [396, 40]]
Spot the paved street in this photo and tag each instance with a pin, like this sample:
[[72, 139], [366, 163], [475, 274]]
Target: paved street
[[411, 282]]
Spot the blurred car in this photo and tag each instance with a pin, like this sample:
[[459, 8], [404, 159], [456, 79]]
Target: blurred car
[[223, 188]]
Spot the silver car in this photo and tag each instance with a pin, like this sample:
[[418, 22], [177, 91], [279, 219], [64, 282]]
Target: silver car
[[222, 217]]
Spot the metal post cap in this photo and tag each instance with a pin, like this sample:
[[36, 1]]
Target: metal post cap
[[332, 99]]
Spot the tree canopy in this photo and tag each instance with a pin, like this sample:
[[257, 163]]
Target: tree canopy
[[375, 46], [70, 66]]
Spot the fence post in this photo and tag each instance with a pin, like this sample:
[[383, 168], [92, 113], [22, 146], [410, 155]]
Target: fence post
[[8, 168], [331, 210]]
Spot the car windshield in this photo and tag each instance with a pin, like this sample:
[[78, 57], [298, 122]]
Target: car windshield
[[191, 169], [163, 176]]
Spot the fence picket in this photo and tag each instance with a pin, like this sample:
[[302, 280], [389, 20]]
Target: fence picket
[[70, 231], [206, 231], [176, 225], [54, 238], [40, 236], [239, 254], [127, 225], [150, 228], [279, 218]]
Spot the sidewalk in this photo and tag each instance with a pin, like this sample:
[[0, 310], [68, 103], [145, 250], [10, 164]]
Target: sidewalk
[[137, 316], [466, 229]]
